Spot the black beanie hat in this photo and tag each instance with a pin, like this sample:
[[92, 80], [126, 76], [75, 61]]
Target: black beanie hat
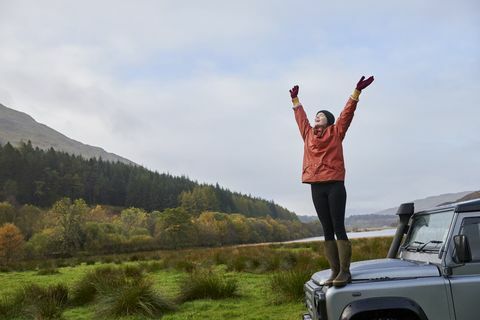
[[329, 115]]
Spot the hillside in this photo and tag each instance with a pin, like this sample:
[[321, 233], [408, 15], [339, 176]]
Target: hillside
[[387, 217], [45, 165], [17, 127], [428, 202]]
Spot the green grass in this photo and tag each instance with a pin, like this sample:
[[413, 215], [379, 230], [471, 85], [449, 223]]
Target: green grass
[[207, 284], [254, 298]]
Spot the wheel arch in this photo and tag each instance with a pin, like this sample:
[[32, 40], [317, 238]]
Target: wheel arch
[[382, 303]]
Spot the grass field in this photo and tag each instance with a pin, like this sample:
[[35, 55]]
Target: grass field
[[251, 268]]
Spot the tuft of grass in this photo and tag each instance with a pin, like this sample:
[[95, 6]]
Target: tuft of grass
[[184, 265], [287, 286], [133, 271], [103, 278], [42, 302], [90, 262], [152, 266], [6, 269], [134, 297], [206, 284], [47, 271], [11, 306]]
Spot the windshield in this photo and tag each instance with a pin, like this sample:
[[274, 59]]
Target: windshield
[[428, 231]]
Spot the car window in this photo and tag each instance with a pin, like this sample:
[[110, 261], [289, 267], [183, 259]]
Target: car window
[[471, 229], [429, 229]]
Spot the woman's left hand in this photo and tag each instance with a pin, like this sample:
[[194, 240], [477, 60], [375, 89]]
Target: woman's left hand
[[294, 92], [362, 84]]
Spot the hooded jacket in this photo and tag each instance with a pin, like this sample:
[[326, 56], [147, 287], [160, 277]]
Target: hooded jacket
[[323, 152]]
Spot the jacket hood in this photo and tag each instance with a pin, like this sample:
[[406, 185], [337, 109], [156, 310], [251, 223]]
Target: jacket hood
[[384, 269]]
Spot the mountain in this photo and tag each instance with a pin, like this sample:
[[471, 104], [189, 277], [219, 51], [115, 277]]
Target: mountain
[[429, 202], [387, 217], [17, 127], [53, 166]]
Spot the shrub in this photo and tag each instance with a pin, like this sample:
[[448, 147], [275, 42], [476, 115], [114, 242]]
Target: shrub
[[134, 258], [107, 260], [11, 306], [183, 265], [287, 286], [135, 297], [206, 284], [220, 257], [90, 262], [47, 271], [6, 268], [237, 263], [133, 271], [151, 266], [43, 302], [103, 279]]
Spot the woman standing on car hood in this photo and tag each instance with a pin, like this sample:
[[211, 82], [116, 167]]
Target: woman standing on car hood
[[324, 170]]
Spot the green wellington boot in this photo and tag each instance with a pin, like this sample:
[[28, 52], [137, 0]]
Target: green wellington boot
[[345, 255], [331, 253]]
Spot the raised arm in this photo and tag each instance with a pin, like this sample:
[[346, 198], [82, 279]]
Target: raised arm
[[300, 116], [346, 116]]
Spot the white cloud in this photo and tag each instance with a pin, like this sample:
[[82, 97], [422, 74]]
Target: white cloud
[[202, 89]]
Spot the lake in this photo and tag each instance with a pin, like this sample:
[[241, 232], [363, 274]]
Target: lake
[[354, 235]]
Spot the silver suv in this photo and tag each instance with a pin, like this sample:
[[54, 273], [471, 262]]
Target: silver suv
[[432, 271]]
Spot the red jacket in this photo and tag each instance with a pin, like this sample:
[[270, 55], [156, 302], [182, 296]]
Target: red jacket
[[323, 153]]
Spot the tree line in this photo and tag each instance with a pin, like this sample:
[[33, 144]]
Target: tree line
[[34, 176], [69, 228]]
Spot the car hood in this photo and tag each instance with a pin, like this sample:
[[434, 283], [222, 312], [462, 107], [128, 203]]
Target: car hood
[[384, 269]]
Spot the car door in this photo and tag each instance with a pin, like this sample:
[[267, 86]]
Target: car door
[[465, 279]]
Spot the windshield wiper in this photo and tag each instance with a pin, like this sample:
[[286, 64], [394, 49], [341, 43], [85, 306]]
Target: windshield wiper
[[420, 248], [410, 244]]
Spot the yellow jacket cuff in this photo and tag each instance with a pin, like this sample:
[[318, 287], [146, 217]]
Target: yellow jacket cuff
[[355, 95], [296, 102]]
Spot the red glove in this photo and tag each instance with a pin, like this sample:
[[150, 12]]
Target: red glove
[[362, 84], [294, 92]]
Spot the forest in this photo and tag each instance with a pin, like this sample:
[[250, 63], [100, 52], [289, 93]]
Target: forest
[[70, 228], [60, 205], [34, 176]]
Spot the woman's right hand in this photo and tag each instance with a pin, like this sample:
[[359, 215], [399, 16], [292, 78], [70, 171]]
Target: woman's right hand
[[294, 92]]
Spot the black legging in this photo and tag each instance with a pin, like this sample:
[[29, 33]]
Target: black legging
[[329, 199]]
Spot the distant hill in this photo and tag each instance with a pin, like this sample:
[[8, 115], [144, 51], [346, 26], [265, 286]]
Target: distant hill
[[470, 196], [366, 221], [307, 219], [429, 202], [17, 127], [39, 165], [387, 217]]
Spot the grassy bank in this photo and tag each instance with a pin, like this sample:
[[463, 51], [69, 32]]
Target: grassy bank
[[248, 275]]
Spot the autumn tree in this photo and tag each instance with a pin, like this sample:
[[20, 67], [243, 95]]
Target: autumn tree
[[98, 214], [71, 218], [29, 220], [175, 228], [132, 218], [11, 242], [7, 213], [199, 199]]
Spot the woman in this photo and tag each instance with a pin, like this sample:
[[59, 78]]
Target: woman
[[324, 169]]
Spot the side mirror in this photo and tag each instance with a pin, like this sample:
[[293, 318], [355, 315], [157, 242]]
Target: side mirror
[[462, 249]]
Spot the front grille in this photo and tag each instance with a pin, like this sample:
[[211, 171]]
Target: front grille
[[309, 299], [315, 301], [321, 304]]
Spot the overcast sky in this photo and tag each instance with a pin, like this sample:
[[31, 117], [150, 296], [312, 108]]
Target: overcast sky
[[200, 88]]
